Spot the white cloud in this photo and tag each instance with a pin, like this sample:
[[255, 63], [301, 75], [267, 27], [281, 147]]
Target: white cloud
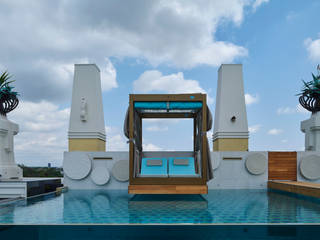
[[275, 131], [177, 33], [157, 129], [159, 125], [154, 81], [254, 128], [258, 3], [290, 110], [291, 16], [251, 99], [313, 48], [43, 133], [115, 140], [150, 147], [108, 76]]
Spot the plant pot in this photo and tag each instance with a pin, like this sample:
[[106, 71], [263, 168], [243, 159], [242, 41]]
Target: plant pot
[[8, 102]]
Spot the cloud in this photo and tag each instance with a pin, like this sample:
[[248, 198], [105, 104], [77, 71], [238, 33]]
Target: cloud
[[150, 147], [157, 129], [290, 110], [159, 125], [108, 76], [275, 131], [254, 128], [115, 140], [291, 16], [43, 133], [51, 80], [177, 33], [313, 48], [258, 3], [251, 99], [154, 81]]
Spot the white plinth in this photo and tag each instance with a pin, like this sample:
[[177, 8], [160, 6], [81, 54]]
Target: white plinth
[[311, 128], [8, 167]]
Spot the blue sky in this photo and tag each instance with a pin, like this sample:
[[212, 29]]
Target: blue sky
[[157, 47]]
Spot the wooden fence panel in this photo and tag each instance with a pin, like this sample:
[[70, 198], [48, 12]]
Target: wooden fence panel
[[282, 166]]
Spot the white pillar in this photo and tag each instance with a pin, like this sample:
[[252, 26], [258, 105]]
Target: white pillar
[[311, 128], [230, 122], [8, 166], [86, 127]]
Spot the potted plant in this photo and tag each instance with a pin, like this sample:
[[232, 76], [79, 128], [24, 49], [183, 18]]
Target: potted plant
[[310, 93], [8, 97]]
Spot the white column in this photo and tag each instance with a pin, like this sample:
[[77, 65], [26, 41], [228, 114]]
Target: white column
[[8, 167], [311, 128], [86, 127], [230, 123]]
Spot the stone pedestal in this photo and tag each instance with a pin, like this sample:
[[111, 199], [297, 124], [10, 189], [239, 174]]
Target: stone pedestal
[[311, 128], [86, 128], [230, 122], [8, 167]]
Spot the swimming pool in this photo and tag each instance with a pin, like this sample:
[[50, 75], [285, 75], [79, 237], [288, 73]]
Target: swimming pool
[[117, 207]]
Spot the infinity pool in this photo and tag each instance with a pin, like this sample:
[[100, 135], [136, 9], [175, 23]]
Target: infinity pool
[[117, 207]]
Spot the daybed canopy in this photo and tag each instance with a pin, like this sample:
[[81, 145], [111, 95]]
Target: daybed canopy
[[169, 168]]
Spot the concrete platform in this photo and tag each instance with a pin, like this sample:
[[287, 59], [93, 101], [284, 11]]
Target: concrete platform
[[28, 187], [304, 188]]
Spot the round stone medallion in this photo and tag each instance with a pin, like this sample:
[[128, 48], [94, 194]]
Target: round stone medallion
[[100, 175], [77, 165], [120, 170], [310, 167], [256, 163]]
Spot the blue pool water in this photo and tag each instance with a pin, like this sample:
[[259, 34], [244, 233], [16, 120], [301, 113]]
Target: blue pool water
[[117, 207]]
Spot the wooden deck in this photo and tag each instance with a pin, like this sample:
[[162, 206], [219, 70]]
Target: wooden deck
[[304, 188], [168, 189]]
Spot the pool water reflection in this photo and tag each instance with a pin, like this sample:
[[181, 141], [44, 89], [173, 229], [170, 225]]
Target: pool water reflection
[[117, 207]]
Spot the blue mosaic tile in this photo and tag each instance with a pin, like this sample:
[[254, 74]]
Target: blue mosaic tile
[[219, 206]]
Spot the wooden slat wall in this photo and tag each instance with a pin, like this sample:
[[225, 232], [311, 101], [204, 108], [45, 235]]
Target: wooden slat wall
[[282, 166]]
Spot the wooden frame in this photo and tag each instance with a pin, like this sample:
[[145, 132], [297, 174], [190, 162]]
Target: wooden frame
[[134, 183]]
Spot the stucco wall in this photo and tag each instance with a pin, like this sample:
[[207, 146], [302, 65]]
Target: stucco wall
[[229, 170]]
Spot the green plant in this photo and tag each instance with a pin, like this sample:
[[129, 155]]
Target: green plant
[[5, 89], [311, 88]]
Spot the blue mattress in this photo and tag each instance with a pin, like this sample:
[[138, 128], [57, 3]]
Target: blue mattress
[[171, 105], [188, 169], [154, 170]]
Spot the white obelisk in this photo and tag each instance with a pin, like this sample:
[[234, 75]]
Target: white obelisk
[[86, 127], [230, 123]]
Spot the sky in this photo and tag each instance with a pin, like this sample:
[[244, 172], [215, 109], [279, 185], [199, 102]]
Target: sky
[[156, 47]]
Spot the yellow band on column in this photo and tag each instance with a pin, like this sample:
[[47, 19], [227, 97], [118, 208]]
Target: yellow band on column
[[230, 144], [87, 144]]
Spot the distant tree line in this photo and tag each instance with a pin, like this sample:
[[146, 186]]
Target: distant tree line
[[41, 171]]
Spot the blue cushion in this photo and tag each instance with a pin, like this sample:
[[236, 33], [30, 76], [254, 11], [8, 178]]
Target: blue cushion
[[149, 169], [182, 169], [172, 105], [151, 105], [185, 105]]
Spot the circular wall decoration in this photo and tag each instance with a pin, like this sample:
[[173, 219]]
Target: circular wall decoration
[[310, 167], [256, 163], [77, 166], [120, 170], [100, 175]]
